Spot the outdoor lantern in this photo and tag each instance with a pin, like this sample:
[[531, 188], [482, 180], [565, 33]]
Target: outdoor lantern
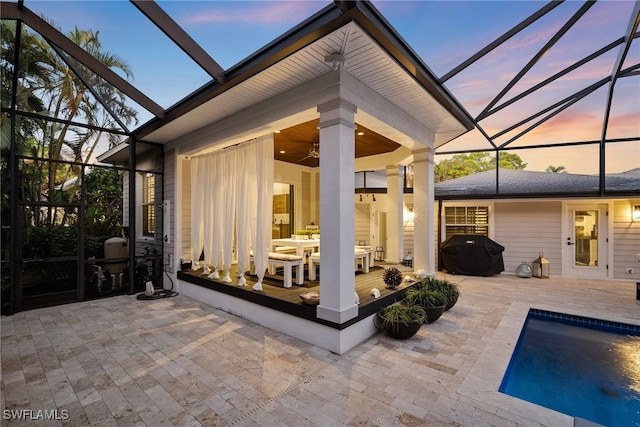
[[635, 215], [407, 260], [541, 267]]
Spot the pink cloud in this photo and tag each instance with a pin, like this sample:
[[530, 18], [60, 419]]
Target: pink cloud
[[266, 14]]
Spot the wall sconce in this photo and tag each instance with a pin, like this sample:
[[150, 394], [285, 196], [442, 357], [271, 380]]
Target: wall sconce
[[635, 213], [410, 215]]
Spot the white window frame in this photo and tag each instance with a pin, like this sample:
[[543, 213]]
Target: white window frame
[[468, 204], [144, 232]]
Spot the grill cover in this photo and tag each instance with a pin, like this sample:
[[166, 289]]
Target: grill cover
[[471, 255]]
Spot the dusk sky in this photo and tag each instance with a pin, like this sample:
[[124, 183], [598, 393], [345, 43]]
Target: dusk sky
[[442, 33]]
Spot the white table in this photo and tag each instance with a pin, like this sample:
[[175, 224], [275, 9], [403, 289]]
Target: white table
[[300, 245]]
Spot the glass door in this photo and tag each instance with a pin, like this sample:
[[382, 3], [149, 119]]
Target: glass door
[[587, 241], [282, 220]]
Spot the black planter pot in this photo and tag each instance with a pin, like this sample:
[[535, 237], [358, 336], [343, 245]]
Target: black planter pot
[[434, 313], [451, 303], [401, 331]]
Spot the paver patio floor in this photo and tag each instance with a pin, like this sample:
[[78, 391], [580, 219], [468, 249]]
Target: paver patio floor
[[121, 361]]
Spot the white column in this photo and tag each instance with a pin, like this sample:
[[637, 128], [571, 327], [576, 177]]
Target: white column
[[395, 230], [337, 186], [423, 200]]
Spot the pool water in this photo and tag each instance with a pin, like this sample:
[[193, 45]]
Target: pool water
[[581, 367]]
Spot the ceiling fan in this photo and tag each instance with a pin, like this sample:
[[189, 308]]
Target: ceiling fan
[[314, 152]]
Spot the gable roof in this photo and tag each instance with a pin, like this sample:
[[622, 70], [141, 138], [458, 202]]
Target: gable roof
[[530, 184]]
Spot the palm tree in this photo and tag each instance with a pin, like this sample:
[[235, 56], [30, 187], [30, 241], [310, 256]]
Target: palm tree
[[556, 169], [71, 100], [47, 85]]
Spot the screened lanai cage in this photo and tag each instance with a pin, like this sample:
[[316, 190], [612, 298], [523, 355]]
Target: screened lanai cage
[[558, 82]]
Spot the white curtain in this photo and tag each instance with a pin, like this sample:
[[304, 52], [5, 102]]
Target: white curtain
[[228, 208], [262, 188], [217, 199], [197, 210], [231, 202], [209, 187], [243, 213]]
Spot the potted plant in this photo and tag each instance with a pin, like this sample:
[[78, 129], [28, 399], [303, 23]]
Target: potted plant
[[392, 277], [401, 319], [433, 302], [303, 234], [449, 289]]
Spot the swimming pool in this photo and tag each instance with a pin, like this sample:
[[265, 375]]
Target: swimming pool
[[579, 366]]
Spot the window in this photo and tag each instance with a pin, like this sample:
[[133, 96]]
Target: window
[[148, 204], [466, 220]]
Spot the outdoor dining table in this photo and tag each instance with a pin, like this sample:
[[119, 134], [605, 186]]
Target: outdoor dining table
[[300, 245]]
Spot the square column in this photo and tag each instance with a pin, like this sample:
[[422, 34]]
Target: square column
[[423, 222], [395, 230], [337, 186]]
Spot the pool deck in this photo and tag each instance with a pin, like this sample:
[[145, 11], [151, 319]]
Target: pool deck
[[121, 362]]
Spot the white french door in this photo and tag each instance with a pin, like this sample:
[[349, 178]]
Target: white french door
[[585, 250]]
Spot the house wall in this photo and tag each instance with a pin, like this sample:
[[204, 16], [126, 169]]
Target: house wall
[[374, 208], [626, 241], [362, 227], [526, 228]]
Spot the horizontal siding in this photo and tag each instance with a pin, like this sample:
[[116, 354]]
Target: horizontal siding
[[408, 238], [125, 201], [362, 227], [626, 240], [527, 228]]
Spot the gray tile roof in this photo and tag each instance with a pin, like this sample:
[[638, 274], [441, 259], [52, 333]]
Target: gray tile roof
[[524, 183]]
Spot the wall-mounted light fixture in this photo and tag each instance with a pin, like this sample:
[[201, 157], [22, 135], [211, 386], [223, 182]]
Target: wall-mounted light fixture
[[410, 215], [635, 213]]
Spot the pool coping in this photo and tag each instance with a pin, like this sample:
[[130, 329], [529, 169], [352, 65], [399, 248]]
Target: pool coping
[[483, 381]]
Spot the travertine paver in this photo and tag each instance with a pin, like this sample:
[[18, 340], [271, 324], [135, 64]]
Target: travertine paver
[[125, 362]]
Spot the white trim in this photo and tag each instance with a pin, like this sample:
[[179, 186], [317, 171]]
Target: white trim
[[566, 231], [466, 203]]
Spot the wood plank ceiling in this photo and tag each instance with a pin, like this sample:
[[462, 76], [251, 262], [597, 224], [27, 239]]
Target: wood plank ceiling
[[297, 143]]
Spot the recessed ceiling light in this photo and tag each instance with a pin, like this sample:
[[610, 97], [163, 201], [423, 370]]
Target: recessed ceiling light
[[360, 133], [277, 131], [282, 151]]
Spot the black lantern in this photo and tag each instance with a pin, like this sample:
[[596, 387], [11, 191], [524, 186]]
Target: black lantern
[[541, 267]]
